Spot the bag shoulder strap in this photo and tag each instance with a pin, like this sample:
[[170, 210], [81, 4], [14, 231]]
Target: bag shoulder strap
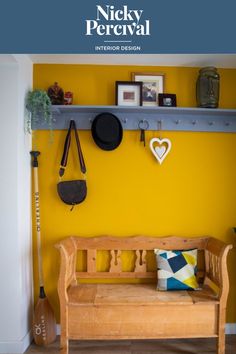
[[67, 148]]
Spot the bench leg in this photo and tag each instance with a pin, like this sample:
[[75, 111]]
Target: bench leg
[[221, 331], [221, 344], [64, 342], [64, 345]]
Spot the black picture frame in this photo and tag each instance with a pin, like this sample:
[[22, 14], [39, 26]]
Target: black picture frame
[[125, 96], [167, 100]]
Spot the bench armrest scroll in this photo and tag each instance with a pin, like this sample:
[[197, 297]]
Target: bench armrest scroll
[[216, 266], [67, 275]]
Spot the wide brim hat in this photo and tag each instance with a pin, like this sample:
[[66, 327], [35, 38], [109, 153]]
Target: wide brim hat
[[107, 131]]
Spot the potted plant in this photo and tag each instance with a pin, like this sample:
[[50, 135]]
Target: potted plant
[[38, 107]]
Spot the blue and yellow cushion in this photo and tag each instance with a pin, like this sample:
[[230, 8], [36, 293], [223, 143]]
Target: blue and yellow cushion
[[176, 270]]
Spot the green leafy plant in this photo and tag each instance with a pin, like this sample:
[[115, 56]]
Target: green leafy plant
[[38, 106]]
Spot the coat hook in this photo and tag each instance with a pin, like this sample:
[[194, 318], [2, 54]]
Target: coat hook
[[194, 122], [124, 120], [227, 123], [211, 123], [159, 125], [177, 121]]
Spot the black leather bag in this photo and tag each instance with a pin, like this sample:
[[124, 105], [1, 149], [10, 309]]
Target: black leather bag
[[72, 192], [75, 191]]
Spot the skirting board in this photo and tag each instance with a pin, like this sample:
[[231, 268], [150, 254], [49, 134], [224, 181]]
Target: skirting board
[[230, 329], [16, 347]]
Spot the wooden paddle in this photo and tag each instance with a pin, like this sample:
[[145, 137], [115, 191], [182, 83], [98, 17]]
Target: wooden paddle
[[44, 323]]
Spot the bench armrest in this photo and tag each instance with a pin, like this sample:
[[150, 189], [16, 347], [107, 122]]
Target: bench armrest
[[216, 267], [67, 274]]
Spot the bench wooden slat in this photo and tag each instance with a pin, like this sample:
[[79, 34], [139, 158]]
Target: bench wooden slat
[[140, 263], [114, 275], [139, 243], [115, 264], [91, 261]]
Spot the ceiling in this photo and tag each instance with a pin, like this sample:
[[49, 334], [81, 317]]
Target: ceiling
[[7, 58], [192, 60]]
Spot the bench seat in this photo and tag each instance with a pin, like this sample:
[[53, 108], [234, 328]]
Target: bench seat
[[138, 294]]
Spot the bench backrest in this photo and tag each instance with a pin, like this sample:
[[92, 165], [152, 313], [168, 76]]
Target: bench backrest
[[139, 245]]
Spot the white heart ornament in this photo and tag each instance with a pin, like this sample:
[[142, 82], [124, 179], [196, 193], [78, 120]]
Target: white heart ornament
[[160, 152]]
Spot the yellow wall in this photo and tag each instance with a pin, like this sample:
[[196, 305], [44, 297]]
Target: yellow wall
[[192, 193]]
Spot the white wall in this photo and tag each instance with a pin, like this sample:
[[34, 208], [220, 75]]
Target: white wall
[[15, 207]]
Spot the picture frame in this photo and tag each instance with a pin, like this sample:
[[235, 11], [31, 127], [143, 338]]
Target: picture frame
[[129, 93], [167, 100], [153, 84]]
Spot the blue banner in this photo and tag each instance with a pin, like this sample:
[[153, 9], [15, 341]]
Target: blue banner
[[127, 27]]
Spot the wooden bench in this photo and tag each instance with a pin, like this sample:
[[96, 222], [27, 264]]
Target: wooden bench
[[139, 311]]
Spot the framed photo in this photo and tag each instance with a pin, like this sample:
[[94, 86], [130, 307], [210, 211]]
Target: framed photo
[[153, 84], [167, 99], [128, 93]]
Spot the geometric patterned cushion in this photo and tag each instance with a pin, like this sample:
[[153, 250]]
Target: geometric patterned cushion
[[176, 270]]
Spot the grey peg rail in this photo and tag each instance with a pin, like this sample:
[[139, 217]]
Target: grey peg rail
[[151, 118]]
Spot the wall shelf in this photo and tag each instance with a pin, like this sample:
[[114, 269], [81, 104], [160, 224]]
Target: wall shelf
[[171, 118]]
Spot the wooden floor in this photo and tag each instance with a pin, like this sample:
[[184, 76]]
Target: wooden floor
[[180, 346]]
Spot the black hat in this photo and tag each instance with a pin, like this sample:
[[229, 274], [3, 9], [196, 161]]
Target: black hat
[[107, 131]]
